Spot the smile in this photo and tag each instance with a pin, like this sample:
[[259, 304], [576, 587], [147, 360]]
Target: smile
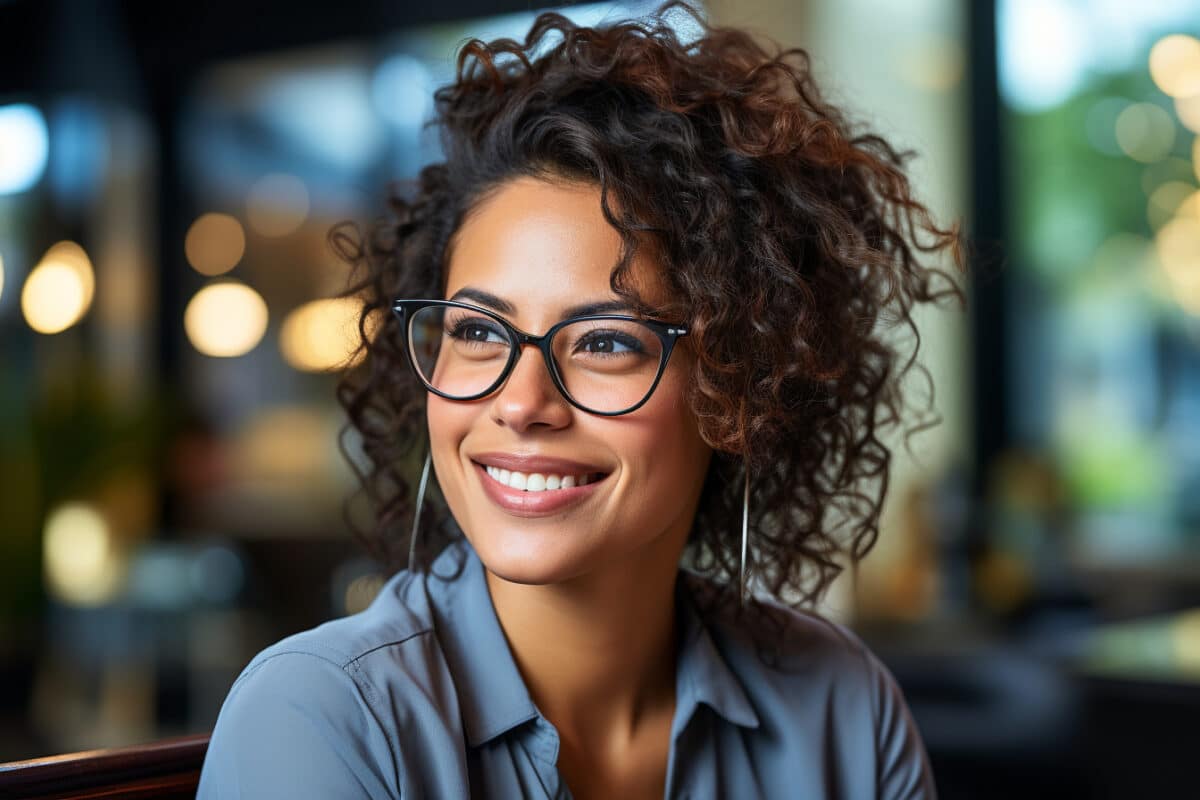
[[537, 482], [535, 494]]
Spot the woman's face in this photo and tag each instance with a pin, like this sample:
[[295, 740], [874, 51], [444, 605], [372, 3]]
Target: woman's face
[[541, 249]]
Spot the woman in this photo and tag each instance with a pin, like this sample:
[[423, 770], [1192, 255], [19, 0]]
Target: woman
[[637, 320]]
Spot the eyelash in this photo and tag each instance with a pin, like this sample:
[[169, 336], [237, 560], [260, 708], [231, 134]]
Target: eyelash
[[462, 325], [600, 335]]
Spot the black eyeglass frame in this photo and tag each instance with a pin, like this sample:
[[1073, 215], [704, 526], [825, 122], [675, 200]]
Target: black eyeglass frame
[[668, 334]]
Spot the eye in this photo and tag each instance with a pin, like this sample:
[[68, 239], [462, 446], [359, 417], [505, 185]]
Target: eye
[[477, 330], [608, 343]]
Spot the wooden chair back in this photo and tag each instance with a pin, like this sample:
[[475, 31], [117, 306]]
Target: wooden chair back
[[169, 768]]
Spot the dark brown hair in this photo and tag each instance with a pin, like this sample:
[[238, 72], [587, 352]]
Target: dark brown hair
[[790, 241]]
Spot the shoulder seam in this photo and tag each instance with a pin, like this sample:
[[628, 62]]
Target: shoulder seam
[[258, 663], [393, 643], [353, 672]]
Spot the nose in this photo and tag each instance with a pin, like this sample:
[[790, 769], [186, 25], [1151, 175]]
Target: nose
[[529, 398]]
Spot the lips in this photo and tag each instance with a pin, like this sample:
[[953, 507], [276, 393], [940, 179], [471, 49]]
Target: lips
[[506, 480], [546, 465]]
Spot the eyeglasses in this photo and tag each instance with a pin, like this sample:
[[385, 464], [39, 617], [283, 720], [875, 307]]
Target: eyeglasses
[[604, 364]]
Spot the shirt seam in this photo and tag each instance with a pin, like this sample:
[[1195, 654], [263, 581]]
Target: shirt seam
[[371, 697], [351, 669]]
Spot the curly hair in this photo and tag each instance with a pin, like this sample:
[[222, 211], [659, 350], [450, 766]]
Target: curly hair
[[789, 240]]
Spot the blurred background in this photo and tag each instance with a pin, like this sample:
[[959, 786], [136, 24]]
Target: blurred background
[[171, 485]]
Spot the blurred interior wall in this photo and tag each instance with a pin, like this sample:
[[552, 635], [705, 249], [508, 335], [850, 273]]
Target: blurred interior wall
[[897, 66]]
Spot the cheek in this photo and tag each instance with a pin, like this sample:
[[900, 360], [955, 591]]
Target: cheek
[[664, 440], [449, 423]]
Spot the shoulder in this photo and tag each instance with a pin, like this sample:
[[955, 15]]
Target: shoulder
[[785, 642], [808, 666], [333, 699], [386, 655]]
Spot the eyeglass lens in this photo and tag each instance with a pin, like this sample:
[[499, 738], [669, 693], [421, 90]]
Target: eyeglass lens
[[606, 365]]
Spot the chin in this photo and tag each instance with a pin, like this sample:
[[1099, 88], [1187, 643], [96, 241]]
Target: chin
[[522, 555]]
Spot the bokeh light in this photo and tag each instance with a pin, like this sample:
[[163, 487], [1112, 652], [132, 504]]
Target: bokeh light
[[1190, 207], [24, 147], [1175, 65], [1145, 132], [225, 319], [1188, 111], [1042, 52], [1178, 247], [277, 205], [1171, 168], [322, 335], [52, 298], [214, 244], [1165, 202], [80, 564], [59, 290], [72, 255]]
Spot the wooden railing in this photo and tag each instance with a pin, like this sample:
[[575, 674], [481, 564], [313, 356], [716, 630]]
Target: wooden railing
[[165, 769]]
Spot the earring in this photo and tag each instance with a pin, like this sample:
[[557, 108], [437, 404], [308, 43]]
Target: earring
[[745, 531], [412, 540]]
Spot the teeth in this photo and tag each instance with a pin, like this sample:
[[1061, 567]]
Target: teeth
[[536, 482]]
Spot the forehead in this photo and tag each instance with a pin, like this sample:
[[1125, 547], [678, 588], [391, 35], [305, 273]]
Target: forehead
[[542, 246]]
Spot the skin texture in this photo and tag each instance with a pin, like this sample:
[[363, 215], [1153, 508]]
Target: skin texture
[[585, 596]]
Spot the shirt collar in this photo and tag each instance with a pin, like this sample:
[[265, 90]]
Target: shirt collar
[[703, 675], [492, 693]]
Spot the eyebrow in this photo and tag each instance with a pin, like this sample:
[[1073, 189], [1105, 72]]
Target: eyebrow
[[504, 307]]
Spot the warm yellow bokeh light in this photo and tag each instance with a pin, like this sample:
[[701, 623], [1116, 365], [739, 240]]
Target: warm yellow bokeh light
[[1175, 65], [1177, 245], [53, 298], [1145, 132], [214, 244], [74, 256], [79, 561], [225, 319], [1166, 200], [59, 290], [1188, 111], [1190, 207], [277, 204], [322, 335]]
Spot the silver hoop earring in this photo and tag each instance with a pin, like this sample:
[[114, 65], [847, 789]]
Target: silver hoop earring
[[745, 536], [412, 540]]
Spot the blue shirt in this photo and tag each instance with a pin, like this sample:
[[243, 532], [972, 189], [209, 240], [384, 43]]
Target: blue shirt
[[419, 696]]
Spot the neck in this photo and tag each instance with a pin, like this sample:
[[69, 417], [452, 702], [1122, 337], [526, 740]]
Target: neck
[[598, 652]]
